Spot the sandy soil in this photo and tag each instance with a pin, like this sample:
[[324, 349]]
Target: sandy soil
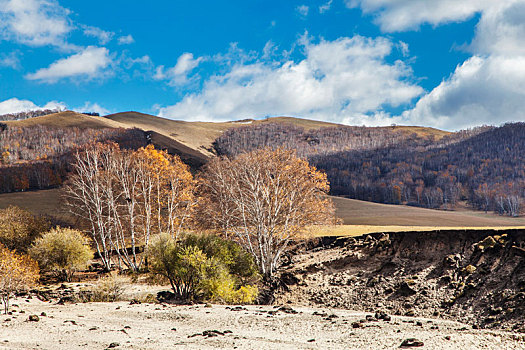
[[156, 326]]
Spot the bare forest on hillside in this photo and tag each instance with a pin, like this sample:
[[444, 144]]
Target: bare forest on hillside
[[483, 166]]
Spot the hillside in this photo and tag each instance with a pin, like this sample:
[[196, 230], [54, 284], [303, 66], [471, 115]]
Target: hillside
[[67, 119], [200, 136]]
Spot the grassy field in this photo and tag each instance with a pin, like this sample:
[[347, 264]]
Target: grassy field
[[354, 212], [358, 217]]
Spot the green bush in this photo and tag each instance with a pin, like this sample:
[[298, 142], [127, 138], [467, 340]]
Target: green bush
[[19, 228], [62, 251], [204, 268]]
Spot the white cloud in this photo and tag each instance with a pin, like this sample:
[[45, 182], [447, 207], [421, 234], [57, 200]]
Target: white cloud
[[10, 60], [92, 107], [90, 63], [326, 6], [501, 30], [103, 36], [343, 80], [481, 91], [489, 87], [34, 22], [303, 10], [399, 15], [178, 74], [15, 105], [127, 39]]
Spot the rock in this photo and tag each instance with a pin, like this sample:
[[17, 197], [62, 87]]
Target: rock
[[310, 340], [381, 315], [448, 337], [404, 289], [113, 345], [470, 269], [43, 314], [487, 243], [410, 313], [287, 310], [33, 318], [356, 325], [411, 343], [419, 323], [134, 302]]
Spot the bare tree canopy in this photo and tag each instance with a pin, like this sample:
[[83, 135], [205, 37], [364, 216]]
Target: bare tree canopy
[[264, 199]]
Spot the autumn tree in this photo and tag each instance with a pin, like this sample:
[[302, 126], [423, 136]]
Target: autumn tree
[[19, 228], [126, 196], [62, 251], [17, 272], [264, 199]]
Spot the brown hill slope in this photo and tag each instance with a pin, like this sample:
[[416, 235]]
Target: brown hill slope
[[200, 135], [68, 119]]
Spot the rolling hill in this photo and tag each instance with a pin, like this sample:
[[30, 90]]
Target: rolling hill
[[67, 119]]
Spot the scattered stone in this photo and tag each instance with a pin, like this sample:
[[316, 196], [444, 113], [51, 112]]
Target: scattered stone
[[33, 318], [411, 343], [287, 310], [488, 242], [210, 333], [238, 308], [405, 289]]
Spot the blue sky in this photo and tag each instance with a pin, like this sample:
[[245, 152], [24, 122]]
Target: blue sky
[[443, 63]]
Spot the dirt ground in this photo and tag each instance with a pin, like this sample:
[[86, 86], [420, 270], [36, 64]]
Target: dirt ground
[[122, 325]]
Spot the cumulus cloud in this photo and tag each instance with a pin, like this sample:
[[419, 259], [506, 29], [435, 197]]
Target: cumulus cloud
[[178, 74], [92, 107], [126, 39], [481, 91], [400, 15], [501, 29], [103, 36], [90, 63], [34, 22], [489, 87], [14, 105], [346, 80]]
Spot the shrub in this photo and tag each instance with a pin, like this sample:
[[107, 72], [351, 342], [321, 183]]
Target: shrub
[[19, 228], [203, 268], [17, 272], [62, 251], [107, 289]]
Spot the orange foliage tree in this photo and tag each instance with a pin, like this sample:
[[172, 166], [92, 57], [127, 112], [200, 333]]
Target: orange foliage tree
[[17, 272], [126, 196], [264, 199]]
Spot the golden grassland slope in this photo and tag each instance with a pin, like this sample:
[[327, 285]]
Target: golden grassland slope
[[358, 217], [67, 119]]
